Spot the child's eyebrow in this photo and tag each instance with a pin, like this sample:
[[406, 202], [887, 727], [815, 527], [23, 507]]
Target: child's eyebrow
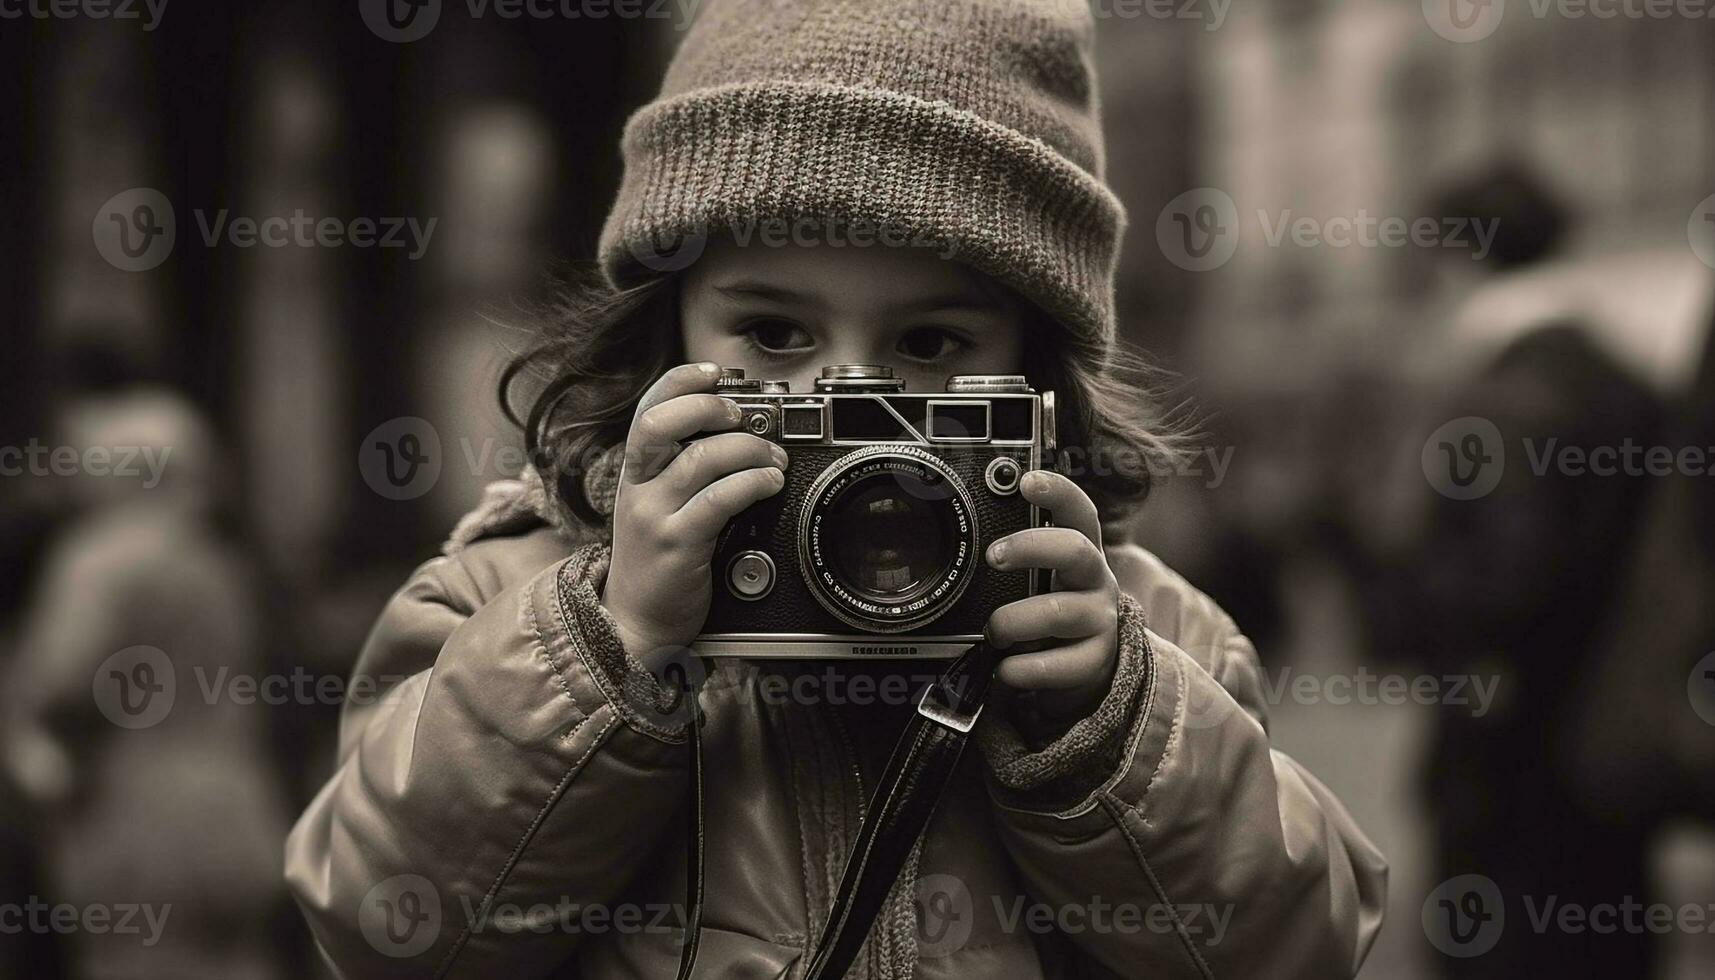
[[770, 292], [971, 300], [974, 299]]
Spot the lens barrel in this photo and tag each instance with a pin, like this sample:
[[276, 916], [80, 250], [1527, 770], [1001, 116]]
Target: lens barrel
[[888, 538]]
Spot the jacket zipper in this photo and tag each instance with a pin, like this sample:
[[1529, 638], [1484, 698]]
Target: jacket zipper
[[848, 748]]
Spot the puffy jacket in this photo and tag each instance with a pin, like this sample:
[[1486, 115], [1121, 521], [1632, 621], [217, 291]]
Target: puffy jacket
[[511, 808]]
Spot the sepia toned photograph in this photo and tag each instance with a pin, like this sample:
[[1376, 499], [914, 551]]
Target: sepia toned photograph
[[873, 489]]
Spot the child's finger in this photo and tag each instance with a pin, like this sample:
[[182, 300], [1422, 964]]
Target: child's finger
[[1075, 559], [682, 380], [656, 433], [1067, 501], [1052, 615], [712, 507], [706, 460], [1074, 665]]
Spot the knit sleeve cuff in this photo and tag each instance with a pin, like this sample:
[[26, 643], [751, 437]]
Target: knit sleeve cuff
[[1074, 765], [640, 699]]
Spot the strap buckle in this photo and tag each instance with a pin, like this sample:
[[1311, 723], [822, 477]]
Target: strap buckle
[[943, 714]]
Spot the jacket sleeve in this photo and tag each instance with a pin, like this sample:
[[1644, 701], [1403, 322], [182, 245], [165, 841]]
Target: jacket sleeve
[[1169, 798], [487, 750]]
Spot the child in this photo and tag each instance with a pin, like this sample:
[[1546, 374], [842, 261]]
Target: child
[[516, 806]]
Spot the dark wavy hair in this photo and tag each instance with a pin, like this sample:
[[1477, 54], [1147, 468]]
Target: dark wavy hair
[[598, 349]]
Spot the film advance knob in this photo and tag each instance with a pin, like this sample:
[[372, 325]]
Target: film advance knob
[[733, 381]]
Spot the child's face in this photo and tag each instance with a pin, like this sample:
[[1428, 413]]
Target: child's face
[[783, 313]]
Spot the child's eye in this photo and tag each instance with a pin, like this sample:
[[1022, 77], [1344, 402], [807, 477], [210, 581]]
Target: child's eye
[[931, 344], [778, 336]]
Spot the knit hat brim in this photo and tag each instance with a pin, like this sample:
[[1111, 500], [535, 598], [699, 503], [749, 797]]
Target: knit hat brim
[[727, 158]]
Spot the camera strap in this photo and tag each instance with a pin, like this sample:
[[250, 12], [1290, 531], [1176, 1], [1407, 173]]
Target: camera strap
[[899, 810]]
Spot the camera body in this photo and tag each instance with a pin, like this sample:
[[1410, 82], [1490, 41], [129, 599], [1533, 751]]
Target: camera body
[[875, 545]]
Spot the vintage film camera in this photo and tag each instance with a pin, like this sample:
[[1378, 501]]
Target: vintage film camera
[[874, 547]]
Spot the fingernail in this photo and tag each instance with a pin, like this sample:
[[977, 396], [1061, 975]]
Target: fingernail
[[779, 477], [779, 456], [997, 553], [1032, 481], [709, 368], [733, 411]]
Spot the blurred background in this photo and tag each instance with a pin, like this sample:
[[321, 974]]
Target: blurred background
[[1421, 266]]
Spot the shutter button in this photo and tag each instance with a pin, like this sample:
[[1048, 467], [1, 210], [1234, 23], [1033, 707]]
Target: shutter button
[[751, 575]]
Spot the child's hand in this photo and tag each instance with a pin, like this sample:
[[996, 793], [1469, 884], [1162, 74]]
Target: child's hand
[[1078, 620], [673, 501]]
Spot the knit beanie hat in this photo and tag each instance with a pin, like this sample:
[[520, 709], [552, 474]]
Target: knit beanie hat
[[969, 125]]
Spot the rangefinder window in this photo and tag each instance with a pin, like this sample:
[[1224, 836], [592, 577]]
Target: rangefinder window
[[868, 420], [802, 421], [958, 421]]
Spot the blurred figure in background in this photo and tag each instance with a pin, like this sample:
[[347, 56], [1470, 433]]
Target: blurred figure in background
[[151, 781], [1518, 584], [1522, 584], [1630, 753], [27, 953]]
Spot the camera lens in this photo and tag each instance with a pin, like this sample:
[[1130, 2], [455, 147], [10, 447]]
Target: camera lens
[[890, 534], [888, 538]]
